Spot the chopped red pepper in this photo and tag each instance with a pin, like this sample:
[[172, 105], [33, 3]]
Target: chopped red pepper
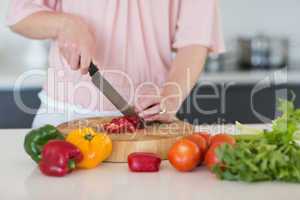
[[143, 162], [59, 158], [123, 124]]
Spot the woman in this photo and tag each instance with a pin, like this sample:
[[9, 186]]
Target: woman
[[131, 42]]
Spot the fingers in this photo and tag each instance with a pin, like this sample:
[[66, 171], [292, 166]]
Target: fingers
[[146, 102], [74, 59], [78, 54], [71, 54], [85, 62], [88, 52], [153, 110], [77, 59], [165, 118], [65, 52], [77, 43], [152, 118]]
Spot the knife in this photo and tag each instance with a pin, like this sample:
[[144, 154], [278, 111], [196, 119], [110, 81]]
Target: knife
[[110, 92]]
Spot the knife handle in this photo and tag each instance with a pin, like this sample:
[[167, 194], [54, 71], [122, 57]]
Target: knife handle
[[93, 69]]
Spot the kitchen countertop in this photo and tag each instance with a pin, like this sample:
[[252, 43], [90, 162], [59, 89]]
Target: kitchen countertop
[[21, 179], [10, 76], [252, 77]]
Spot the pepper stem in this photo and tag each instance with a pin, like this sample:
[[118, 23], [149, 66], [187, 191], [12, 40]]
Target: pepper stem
[[88, 137], [71, 164]]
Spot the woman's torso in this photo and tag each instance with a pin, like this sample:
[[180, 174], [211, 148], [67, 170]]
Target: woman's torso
[[134, 45]]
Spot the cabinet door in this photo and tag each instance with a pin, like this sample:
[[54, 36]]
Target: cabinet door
[[12, 115], [221, 104]]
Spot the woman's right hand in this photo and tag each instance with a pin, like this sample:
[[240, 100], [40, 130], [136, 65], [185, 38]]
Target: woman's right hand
[[76, 41]]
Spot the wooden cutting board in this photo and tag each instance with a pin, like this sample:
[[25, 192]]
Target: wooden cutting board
[[155, 138]]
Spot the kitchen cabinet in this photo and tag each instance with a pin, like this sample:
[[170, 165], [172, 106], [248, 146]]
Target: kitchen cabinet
[[219, 104], [204, 105], [11, 115]]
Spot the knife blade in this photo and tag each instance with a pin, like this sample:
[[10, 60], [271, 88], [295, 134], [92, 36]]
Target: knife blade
[[110, 92]]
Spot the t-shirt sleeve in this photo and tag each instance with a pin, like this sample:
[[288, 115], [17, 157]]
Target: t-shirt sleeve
[[20, 9], [199, 23]]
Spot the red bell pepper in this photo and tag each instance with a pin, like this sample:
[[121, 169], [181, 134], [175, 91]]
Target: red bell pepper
[[143, 162], [59, 158]]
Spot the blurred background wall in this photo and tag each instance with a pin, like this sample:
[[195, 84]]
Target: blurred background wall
[[272, 17], [18, 53], [240, 18]]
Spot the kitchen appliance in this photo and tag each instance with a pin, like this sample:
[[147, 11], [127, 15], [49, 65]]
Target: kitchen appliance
[[262, 52], [155, 138], [214, 62]]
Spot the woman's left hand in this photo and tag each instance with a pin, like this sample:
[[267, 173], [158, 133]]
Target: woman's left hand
[[156, 108]]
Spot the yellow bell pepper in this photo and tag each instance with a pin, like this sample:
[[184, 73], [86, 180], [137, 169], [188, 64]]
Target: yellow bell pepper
[[95, 147]]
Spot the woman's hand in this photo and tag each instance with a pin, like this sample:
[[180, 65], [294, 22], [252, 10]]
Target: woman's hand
[[156, 110], [76, 42], [153, 107]]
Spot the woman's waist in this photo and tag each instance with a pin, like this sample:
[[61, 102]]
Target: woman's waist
[[82, 92], [58, 106]]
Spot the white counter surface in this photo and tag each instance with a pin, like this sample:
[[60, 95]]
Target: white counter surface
[[21, 179]]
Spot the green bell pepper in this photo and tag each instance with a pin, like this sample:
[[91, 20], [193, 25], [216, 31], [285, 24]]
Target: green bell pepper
[[37, 138]]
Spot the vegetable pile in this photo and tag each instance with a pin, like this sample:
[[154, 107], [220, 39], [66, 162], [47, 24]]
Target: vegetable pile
[[264, 155], [58, 156], [252, 156], [199, 148]]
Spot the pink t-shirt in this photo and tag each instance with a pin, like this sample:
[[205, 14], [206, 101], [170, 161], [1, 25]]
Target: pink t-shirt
[[135, 43]]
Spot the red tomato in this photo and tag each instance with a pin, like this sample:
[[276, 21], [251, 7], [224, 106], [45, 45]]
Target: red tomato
[[206, 136], [184, 155], [222, 138], [211, 158], [201, 142]]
